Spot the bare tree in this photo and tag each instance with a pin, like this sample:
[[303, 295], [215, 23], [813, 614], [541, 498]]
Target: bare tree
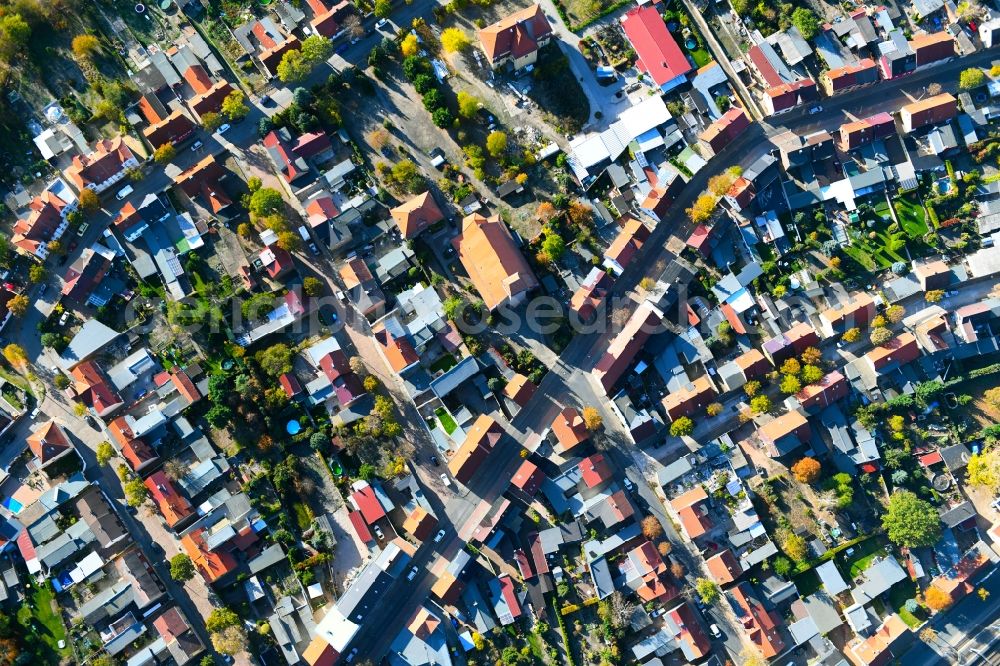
[[353, 25]]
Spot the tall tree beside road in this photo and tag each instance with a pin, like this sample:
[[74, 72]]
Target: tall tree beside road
[[235, 106], [454, 40], [16, 355], [592, 418], [181, 568], [164, 153], [293, 67], [383, 8], [88, 200], [18, 305], [353, 25], [983, 469], [971, 78]]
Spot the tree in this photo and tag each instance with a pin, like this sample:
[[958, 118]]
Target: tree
[[676, 568], [316, 49], [553, 246], [811, 374], [409, 46], [358, 366], [15, 354], [289, 241], [383, 8], [971, 78], [983, 470], [61, 381], [707, 590], [14, 35], [165, 153], [880, 336], [18, 305], [682, 427], [592, 418], [806, 470], [235, 106], [651, 528], [701, 210], [312, 286], [751, 388], [851, 335], [782, 566], [713, 409], [105, 452], [293, 67], [468, 104], [934, 295], [218, 416], [454, 40], [496, 143], [790, 384], [895, 313], [442, 118], [276, 360], [89, 201], [231, 640], [136, 492], [37, 273], [937, 599], [965, 11], [85, 47], [352, 24], [760, 404], [791, 367], [181, 568], [910, 521], [795, 547], [211, 121], [806, 21], [220, 618], [266, 201]]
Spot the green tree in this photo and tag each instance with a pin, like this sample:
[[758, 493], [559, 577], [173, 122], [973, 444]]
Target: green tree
[[442, 118], [235, 106], [266, 201], [312, 286], [231, 640], [910, 521], [496, 143], [89, 201], [880, 336], [806, 21], [454, 40], [37, 273], [468, 104], [181, 568], [782, 566], [760, 404], [316, 49], [276, 360], [211, 121], [707, 590], [105, 452], [218, 416], [136, 492], [61, 381], [293, 67], [811, 374], [383, 8], [790, 384], [453, 307], [165, 153], [553, 246], [971, 78], [220, 618], [983, 469], [795, 547], [14, 35], [681, 427]]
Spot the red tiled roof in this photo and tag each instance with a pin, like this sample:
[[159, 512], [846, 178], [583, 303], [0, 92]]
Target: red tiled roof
[[198, 79], [212, 564], [369, 506], [659, 55], [517, 34], [174, 506], [528, 478], [290, 384], [595, 470], [359, 525]]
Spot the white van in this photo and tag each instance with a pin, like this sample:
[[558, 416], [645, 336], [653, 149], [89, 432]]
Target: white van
[[124, 192]]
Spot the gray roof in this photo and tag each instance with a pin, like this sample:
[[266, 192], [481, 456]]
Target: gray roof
[[674, 471], [957, 515], [457, 375], [124, 639], [956, 456], [823, 610], [927, 7], [833, 581], [108, 604], [600, 573], [370, 585], [879, 577], [803, 630], [91, 338], [271, 556]]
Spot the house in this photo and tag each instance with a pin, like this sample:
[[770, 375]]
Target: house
[[989, 32], [690, 398], [174, 129], [362, 288], [295, 171], [784, 434], [174, 507], [626, 244], [394, 344], [877, 579], [49, 442], [480, 440], [978, 321], [595, 471], [894, 354], [276, 261], [931, 47], [416, 214], [203, 180], [858, 312], [692, 510], [862, 132], [659, 56], [136, 452], [752, 365], [220, 539], [85, 274], [928, 111], [516, 38], [179, 638], [724, 567], [493, 261], [685, 630], [723, 131], [645, 320], [647, 575], [519, 390], [45, 223], [569, 429], [91, 387], [588, 297], [107, 165], [787, 96], [528, 479], [848, 77], [831, 388], [886, 643], [896, 57], [328, 22], [506, 605], [933, 274], [791, 343], [761, 626]]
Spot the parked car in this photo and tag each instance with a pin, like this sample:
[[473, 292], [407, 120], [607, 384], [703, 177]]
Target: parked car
[[816, 109], [378, 533], [445, 480], [196, 145], [629, 486], [223, 128], [82, 229], [124, 192], [351, 655], [434, 460], [412, 574], [714, 628], [313, 249], [439, 536]]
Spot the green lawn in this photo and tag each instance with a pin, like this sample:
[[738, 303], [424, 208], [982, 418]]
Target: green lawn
[[700, 56], [447, 422], [911, 214], [445, 363], [41, 618], [864, 553], [303, 515], [898, 596]]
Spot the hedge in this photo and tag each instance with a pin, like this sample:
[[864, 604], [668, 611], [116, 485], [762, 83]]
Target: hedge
[[829, 555], [565, 634]]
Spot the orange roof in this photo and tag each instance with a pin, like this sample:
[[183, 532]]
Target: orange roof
[[784, 425], [399, 352], [198, 79], [569, 429], [212, 564], [320, 653], [420, 523], [479, 442], [517, 34], [174, 506], [750, 359], [694, 520], [901, 349], [528, 477], [930, 38], [628, 241], [760, 625], [494, 263], [694, 391], [520, 389], [928, 103], [355, 273], [48, 441], [93, 389], [107, 159], [417, 214], [595, 470], [447, 588], [690, 498], [724, 567], [868, 651]]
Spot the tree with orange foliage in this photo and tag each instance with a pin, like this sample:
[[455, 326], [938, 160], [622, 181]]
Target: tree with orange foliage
[[937, 599], [806, 470], [651, 528], [702, 209], [545, 212]]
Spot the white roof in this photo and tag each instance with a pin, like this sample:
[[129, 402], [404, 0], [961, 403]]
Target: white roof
[[321, 349]]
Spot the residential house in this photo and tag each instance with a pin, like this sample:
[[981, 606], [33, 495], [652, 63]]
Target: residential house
[[886, 643], [896, 57], [724, 567], [263, 39], [989, 32], [787, 96], [858, 133], [296, 173], [933, 274], [519, 390], [395, 345], [174, 129], [49, 443], [647, 575], [691, 508], [659, 56], [791, 343], [858, 312], [931, 47], [480, 440], [590, 295], [218, 542], [527, 479], [136, 452], [174, 507], [723, 131], [861, 73], [362, 288], [203, 180], [626, 244], [928, 111], [569, 429], [415, 215], [978, 321], [690, 398], [90, 386], [645, 320], [45, 223], [516, 38], [180, 639], [894, 354], [107, 165], [784, 434], [761, 625], [506, 605], [85, 275], [831, 388], [328, 22], [493, 261]]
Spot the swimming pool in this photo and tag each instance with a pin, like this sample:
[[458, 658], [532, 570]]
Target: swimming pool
[[12, 505], [293, 427]]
